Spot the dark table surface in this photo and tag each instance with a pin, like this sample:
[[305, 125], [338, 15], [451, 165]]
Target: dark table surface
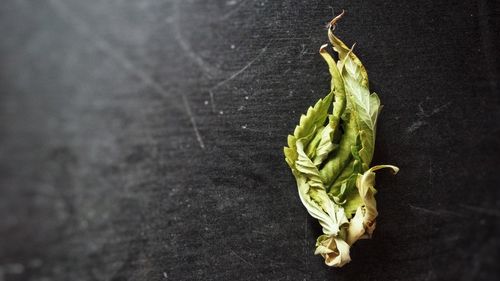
[[142, 140]]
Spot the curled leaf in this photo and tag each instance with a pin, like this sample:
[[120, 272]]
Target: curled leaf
[[363, 224], [335, 251], [330, 152]]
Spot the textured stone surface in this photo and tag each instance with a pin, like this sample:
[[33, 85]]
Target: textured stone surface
[[142, 140]]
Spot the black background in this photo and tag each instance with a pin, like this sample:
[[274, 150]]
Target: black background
[[116, 163]]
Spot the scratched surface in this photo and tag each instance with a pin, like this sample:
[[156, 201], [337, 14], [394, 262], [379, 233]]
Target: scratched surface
[[142, 140]]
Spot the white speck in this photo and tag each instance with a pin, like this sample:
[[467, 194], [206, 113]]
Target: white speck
[[221, 112], [205, 102], [206, 228], [244, 126], [241, 108], [165, 275], [289, 61], [233, 46], [246, 97]]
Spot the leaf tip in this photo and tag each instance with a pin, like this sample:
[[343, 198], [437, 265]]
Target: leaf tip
[[333, 22]]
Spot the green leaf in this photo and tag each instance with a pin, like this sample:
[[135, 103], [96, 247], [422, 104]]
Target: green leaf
[[327, 144], [366, 108], [334, 165], [309, 123], [365, 105], [314, 197], [330, 153], [346, 53]]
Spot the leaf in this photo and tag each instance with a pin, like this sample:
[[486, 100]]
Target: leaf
[[313, 145], [309, 123], [347, 180], [366, 108], [334, 250], [334, 165], [314, 197], [330, 153], [344, 53], [363, 223], [364, 105], [326, 144]]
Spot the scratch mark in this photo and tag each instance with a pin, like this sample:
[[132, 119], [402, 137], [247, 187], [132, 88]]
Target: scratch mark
[[231, 12], [104, 46], [303, 51], [212, 100], [439, 109], [422, 115], [241, 258], [481, 210], [435, 212], [126, 63], [235, 74], [193, 122], [433, 112], [415, 125], [186, 46]]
